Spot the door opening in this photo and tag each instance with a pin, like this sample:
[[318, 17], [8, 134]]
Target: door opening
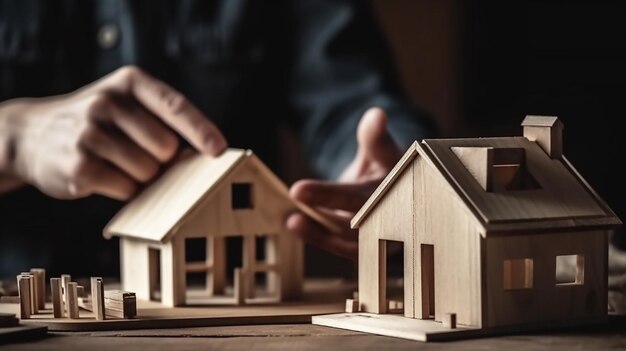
[[428, 281], [154, 264], [393, 280], [234, 257]]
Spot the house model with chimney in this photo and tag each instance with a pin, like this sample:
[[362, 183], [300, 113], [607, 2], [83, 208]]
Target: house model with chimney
[[175, 235], [485, 225]]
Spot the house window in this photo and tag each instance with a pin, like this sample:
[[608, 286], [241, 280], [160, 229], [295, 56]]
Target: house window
[[197, 263], [570, 270], [241, 196], [195, 249], [518, 274]]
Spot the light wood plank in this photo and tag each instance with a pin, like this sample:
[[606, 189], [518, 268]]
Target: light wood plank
[[39, 275], [65, 280], [97, 297], [546, 301], [23, 284], [179, 190], [72, 301], [57, 302], [321, 296], [396, 326]]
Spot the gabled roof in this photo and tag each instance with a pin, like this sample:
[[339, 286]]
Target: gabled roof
[[563, 200], [164, 204]]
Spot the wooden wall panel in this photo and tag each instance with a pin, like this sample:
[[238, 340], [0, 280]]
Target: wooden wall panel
[[547, 301], [392, 219], [443, 220]]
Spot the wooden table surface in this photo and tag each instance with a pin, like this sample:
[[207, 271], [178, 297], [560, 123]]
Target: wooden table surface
[[312, 337]]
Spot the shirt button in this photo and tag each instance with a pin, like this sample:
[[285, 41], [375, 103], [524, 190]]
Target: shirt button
[[108, 36]]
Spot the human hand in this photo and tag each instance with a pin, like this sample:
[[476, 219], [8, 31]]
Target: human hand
[[105, 138], [339, 200]]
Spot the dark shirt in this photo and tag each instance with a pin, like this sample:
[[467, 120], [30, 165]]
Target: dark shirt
[[250, 66]]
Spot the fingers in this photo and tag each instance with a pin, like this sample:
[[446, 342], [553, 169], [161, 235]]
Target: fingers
[[91, 175], [375, 142], [345, 245], [174, 109], [113, 184], [333, 195], [115, 147], [144, 129]]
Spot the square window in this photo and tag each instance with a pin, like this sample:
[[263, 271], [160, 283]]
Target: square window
[[518, 274], [241, 196], [570, 270], [195, 250]]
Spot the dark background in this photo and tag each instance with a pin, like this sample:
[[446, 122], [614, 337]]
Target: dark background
[[479, 67]]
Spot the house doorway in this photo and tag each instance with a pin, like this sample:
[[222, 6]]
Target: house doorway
[[427, 253], [154, 264], [234, 257], [393, 280], [257, 256]]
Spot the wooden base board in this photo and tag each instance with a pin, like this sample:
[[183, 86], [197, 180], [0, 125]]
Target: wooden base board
[[320, 297], [428, 330], [396, 326]]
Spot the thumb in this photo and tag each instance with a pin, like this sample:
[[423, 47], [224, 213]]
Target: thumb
[[375, 142]]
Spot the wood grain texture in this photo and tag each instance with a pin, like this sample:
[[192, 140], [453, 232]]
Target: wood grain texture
[[154, 212], [72, 301], [321, 297], [135, 267], [479, 162], [39, 275], [442, 220], [547, 132], [390, 221], [218, 220], [23, 284], [57, 302], [205, 209], [561, 195], [384, 186], [97, 298], [307, 337], [65, 280], [547, 301], [396, 326], [420, 208]]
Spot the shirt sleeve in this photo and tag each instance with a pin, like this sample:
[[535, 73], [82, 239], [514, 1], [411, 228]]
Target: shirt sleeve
[[340, 69]]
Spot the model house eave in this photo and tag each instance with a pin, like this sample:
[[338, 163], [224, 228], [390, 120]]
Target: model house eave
[[164, 206], [585, 212]]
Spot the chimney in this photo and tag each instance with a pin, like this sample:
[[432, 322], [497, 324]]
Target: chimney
[[547, 132]]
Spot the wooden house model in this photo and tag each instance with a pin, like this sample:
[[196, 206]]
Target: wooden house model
[[181, 226], [485, 224]]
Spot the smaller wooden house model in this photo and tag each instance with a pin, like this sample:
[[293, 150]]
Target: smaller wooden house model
[[485, 225], [179, 229]]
